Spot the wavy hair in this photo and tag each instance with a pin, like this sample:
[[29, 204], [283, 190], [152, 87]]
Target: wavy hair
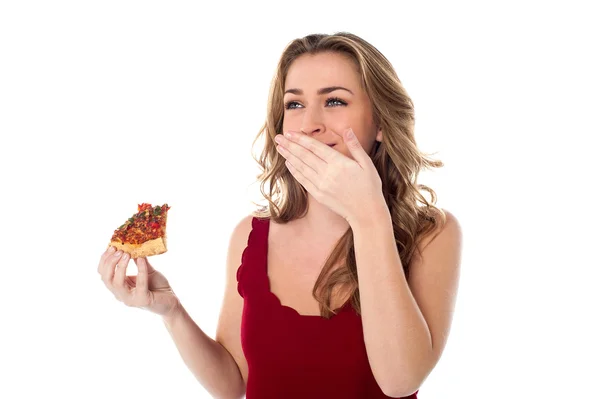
[[396, 158]]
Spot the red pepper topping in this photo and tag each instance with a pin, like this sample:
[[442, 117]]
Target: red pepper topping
[[147, 224]]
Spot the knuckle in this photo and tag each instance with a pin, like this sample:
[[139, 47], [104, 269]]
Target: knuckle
[[321, 186], [101, 266]]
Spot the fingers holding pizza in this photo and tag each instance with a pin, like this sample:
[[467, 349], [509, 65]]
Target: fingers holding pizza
[[149, 289], [144, 234]]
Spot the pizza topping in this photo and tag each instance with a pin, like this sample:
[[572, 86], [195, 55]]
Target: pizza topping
[[147, 224]]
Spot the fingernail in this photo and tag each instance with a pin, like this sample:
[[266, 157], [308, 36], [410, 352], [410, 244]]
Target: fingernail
[[118, 253], [111, 249]]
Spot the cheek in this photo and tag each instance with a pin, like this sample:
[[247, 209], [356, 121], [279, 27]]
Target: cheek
[[291, 122]]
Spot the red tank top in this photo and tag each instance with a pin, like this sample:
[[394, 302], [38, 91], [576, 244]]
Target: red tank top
[[296, 356]]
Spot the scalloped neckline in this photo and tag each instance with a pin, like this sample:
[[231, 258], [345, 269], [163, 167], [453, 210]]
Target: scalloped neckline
[[287, 308]]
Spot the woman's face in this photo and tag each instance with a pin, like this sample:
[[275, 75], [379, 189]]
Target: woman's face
[[324, 97]]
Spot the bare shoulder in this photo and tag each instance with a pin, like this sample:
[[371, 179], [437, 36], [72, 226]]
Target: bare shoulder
[[238, 240], [434, 278], [239, 237], [229, 325], [448, 227]]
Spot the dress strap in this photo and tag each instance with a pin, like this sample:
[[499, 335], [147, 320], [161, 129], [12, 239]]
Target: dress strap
[[251, 274]]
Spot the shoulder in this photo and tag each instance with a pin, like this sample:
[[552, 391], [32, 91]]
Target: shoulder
[[439, 252], [243, 225], [447, 228], [240, 232], [434, 278]]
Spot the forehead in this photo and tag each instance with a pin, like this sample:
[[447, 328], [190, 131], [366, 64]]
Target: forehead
[[322, 70]]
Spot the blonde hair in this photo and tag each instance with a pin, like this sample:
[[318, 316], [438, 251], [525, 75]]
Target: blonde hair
[[397, 159]]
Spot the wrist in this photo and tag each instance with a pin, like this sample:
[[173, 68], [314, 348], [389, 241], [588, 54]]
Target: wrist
[[175, 314], [374, 216]]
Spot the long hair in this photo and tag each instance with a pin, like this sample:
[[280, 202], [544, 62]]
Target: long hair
[[396, 158]]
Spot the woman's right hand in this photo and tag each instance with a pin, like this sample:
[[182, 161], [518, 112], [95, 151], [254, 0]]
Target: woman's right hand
[[148, 290]]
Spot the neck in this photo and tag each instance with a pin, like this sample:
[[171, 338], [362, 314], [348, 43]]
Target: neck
[[320, 220]]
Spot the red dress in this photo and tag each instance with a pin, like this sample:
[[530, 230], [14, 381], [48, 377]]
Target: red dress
[[295, 356]]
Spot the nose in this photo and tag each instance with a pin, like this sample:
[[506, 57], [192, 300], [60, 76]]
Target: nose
[[312, 123]]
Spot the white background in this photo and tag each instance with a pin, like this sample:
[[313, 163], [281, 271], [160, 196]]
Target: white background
[[104, 105]]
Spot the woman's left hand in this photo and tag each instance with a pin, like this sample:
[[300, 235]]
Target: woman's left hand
[[349, 187]]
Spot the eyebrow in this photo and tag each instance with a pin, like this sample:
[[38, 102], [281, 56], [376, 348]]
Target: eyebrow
[[324, 90]]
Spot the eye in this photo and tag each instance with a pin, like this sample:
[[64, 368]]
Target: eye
[[331, 101], [290, 104], [339, 102]]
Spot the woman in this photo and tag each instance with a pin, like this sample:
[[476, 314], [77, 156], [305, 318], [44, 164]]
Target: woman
[[344, 286]]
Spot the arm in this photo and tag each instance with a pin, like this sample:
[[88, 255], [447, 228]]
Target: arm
[[405, 323], [219, 365], [210, 362]]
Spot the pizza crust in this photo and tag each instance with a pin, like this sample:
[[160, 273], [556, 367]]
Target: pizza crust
[[153, 247]]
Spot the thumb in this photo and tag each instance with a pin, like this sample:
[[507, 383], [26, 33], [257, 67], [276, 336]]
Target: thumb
[[355, 147], [143, 265]]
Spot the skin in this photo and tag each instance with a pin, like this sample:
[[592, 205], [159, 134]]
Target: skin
[[310, 113], [149, 289], [313, 114], [406, 323]]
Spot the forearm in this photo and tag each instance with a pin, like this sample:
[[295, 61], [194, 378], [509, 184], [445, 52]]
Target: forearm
[[212, 365], [397, 337]]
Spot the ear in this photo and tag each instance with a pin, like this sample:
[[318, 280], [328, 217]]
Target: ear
[[379, 136]]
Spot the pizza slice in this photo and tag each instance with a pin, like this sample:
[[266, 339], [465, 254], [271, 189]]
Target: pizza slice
[[143, 234]]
